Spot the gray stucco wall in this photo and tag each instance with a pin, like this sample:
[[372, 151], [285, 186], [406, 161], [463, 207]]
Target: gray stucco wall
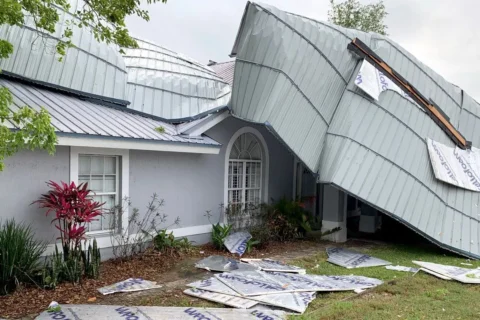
[[23, 181], [190, 184]]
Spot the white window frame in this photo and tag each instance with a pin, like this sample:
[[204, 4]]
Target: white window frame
[[265, 163], [124, 155]]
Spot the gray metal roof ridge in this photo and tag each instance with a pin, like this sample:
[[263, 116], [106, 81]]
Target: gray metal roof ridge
[[405, 171], [171, 62], [292, 83], [180, 73], [99, 99], [177, 93], [304, 38], [196, 63]]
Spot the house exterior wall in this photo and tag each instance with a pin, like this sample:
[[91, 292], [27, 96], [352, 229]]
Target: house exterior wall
[[23, 181], [190, 184]]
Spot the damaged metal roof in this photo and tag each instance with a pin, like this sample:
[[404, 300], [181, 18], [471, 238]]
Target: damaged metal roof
[[224, 70], [170, 85], [73, 116], [296, 75]]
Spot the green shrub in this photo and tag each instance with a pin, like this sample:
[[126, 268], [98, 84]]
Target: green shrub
[[91, 261], [166, 243], [19, 255], [219, 233]]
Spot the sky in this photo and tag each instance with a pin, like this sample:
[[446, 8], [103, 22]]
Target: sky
[[443, 34]]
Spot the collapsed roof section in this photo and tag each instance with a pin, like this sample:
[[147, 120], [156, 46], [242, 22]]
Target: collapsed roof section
[[170, 85], [297, 76]]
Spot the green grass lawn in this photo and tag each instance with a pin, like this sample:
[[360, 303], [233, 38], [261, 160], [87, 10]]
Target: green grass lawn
[[403, 295]]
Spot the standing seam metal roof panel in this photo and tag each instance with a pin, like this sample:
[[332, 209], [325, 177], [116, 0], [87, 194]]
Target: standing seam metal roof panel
[[71, 115], [302, 86], [170, 85]]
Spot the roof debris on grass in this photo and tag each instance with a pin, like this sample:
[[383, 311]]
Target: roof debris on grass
[[129, 285], [351, 259], [446, 272]]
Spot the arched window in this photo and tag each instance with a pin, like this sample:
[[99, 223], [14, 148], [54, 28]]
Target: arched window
[[247, 168]]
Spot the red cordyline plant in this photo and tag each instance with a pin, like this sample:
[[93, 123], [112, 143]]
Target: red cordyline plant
[[74, 207]]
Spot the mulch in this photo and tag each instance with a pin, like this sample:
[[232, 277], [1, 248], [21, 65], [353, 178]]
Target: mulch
[[29, 300]]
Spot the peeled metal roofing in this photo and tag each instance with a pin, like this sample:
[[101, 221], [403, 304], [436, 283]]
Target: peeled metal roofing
[[224, 70], [89, 66], [296, 75], [170, 85], [70, 115]]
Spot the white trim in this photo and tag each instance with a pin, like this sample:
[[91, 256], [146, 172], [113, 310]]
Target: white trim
[[265, 159], [124, 174], [137, 145], [202, 126], [106, 242]]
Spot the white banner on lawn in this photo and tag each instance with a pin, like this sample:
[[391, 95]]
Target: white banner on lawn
[[373, 82], [455, 166]]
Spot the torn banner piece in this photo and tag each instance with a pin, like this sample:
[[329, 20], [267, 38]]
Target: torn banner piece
[[223, 264], [463, 275], [129, 285], [237, 242], [455, 166], [88, 312], [351, 259], [228, 300], [273, 265], [373, 82]]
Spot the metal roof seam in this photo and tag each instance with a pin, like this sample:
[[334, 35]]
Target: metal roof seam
[[405, 171], [177, 93], [291, 82], [304, 38], [194, 67], [322, 23], [176, 72]]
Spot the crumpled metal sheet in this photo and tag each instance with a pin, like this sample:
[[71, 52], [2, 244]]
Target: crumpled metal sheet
[[251, 285], [88, 312], [273, 265], [129, 285], [222, 264], [309, 282], [237, 242], [228, 300], [297, 302], [402, 268], [463, 275], [351, 259]]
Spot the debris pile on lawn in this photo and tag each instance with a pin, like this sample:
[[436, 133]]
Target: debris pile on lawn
[[289, 289], [446, 272], [272, 265], [237, 242], [351, 259], [402, 268], [129, 285], [87, 312]]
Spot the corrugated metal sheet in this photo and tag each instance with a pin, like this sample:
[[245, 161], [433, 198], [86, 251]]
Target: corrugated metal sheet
[[224, 70], [89, 66], [70, 115], [170, 85], [296, 74]]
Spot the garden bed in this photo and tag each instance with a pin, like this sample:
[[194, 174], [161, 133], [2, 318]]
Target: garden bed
[[28, 301]]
